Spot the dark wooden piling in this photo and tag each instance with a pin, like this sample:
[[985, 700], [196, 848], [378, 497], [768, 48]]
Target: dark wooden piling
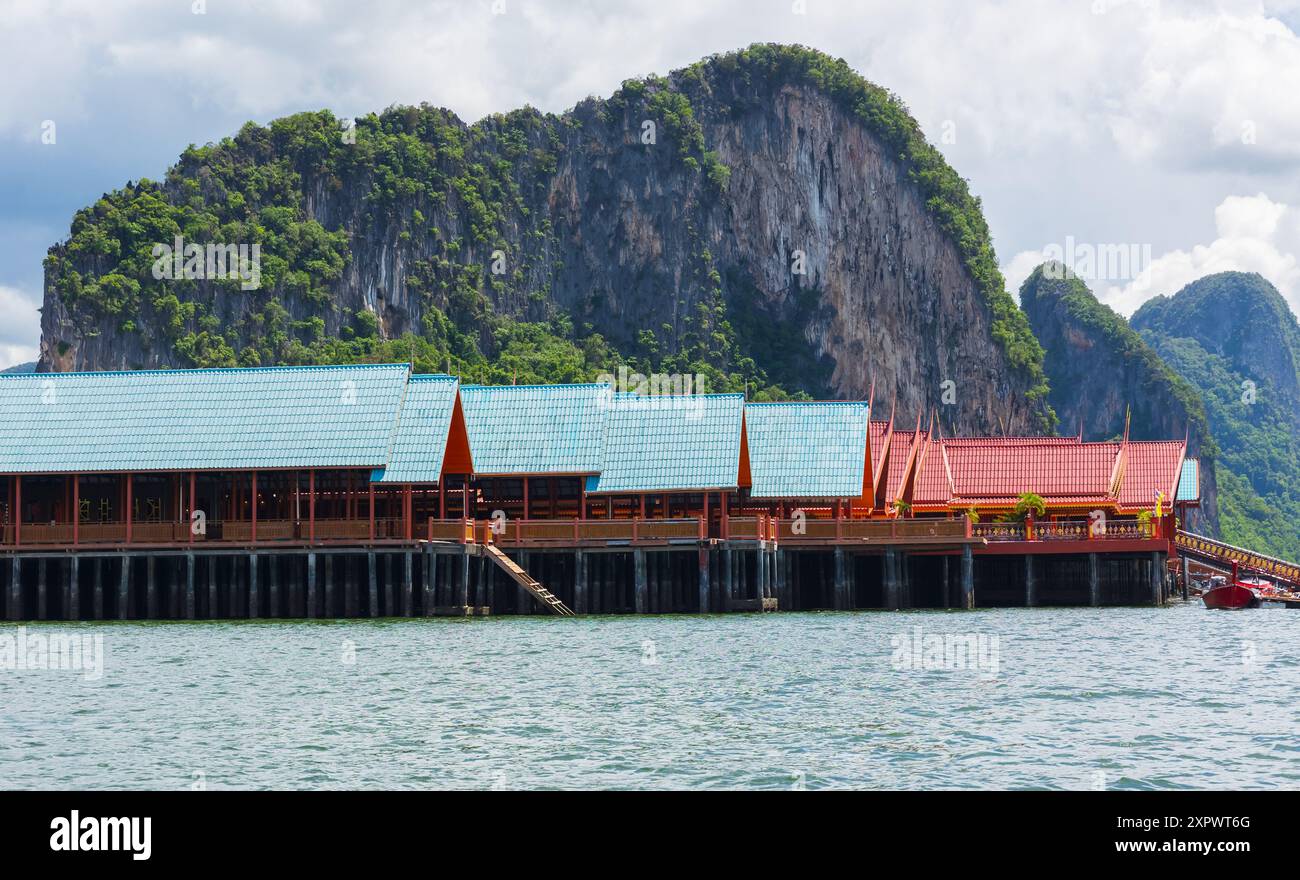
[[967, 578], [1031, 583], [189, 587], [124, 588], [642, 588]]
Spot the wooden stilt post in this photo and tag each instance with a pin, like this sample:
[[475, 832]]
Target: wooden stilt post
[[579, 582], [329, 585], [408, 584], [430, 592], [72, 609], [967, 577], [462, 587], [390, 587], [16, 588], [189, 586], [841, 579], [150, 587], [253, 504], [703, 585], [373, 577], [76, 509], [311, 585], [214, 596], [124, 588], [890, 563], [273, 582], [642, 591], [254, 597], [1094, 581], [98, 599], [1031, 583]]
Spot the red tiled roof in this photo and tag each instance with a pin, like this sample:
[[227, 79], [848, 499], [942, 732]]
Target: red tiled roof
[[1060, 470], [1150, 466], [900, 456], [879, 433], [933, 488]]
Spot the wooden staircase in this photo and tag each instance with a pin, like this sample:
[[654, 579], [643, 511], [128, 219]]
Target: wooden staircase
[[525, 580]]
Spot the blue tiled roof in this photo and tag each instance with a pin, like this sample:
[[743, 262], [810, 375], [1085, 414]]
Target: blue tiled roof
[[807, 450], [1189, 481], [336, 416], [420, 441], [536, 429], [660, 443]]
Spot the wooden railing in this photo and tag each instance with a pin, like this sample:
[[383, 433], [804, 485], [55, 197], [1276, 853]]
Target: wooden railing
[[823, 530], [520, 532], [1067, 530], [1225, 554]]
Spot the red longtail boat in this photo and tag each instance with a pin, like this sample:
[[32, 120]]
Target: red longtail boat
[[1232, 594]]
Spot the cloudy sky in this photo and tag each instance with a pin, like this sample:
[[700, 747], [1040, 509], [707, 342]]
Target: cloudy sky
[[1162, 131]]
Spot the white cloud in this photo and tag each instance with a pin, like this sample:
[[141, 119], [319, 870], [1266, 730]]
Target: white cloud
[[19, 327], [1253, 234]]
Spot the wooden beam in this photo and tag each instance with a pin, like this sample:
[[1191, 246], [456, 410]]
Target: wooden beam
[[311, 505], [253, 504], [76, 508]]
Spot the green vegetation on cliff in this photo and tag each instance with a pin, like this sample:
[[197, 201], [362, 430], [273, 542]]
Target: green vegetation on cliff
[[417, 189], [1234, 338]]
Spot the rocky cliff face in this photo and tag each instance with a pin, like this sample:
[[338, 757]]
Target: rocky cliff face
[[1100, 370], [1233, 337], [765, 215]]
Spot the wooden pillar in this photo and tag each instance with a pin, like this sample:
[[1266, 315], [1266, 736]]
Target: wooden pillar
[[484, 580], [1031, 583], [130, 502], [390, 587], [311, 507], [329, 585], [311, 585], [189, 586], [150, 588], [579, 582], [947, 594], [15, 588], [703, 585], [189, 517], [124, 588], [1187, 574], [462, 587], [254, 598], [1157, 578], [214, 597], [372, 573], [642, 592], [98, 589], [1094, 581], [76, 509], [371, 494], [351, 599], [430, 591], [273, 584], [893, 588], [408, 584], [967, 577], [18, 511], [728, 577], [72, 605]]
